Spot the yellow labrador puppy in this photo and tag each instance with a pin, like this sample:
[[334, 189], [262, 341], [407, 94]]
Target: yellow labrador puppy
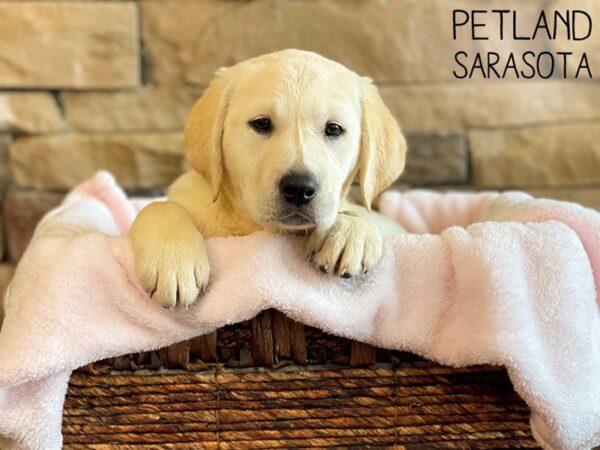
[[275, 143]]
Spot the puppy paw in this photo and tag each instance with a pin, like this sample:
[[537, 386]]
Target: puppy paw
[[352, 246], [172, 265], [174, 275]]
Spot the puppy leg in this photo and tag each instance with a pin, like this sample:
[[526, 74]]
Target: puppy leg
[[353, 245], [170, 256]]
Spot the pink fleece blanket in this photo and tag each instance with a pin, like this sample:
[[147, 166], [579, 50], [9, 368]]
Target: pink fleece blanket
[[482, 278]]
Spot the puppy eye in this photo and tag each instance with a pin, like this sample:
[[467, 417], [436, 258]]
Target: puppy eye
[[261, 125], [333, 129]]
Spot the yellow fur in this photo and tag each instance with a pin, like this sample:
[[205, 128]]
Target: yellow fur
[[232, 190]]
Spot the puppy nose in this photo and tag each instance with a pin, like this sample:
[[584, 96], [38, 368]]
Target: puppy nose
[[298, 188]]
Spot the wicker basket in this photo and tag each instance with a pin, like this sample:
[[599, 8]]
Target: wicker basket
[[274, 383]]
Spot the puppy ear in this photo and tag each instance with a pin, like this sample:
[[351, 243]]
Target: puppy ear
[[203, 135], [383, 147]]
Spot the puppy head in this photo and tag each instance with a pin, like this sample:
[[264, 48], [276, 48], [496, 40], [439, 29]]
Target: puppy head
[[284, 135]]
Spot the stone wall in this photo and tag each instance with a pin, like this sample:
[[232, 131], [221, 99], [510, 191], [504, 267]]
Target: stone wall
[[86, 85]]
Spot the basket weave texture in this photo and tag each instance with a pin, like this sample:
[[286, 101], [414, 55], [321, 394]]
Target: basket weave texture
[[249, 386]]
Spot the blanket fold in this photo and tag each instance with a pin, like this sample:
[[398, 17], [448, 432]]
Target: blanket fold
[[482, 279]]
